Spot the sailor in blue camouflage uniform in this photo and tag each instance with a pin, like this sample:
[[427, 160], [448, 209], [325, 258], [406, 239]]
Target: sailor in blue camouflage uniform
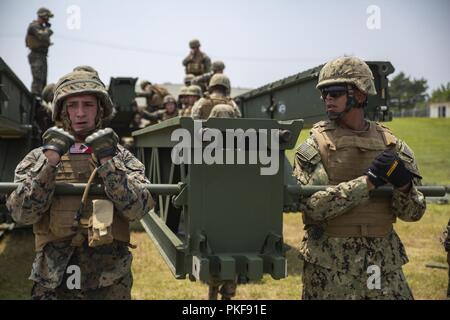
[[91, 240], [350, 249]]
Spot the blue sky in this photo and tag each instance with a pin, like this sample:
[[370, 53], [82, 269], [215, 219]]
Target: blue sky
[[260, 41]]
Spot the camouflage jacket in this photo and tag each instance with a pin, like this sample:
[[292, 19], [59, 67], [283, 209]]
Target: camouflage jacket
[[203, 80], [154, 96], [203, 107], [199, 58], [353, 254], [38, 37], [124, 179]]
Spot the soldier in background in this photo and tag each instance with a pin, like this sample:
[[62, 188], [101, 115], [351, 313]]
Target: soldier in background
[[219, 93], [170, 111], [197, 62], [350, 249], [181, 102], [90, 235], [38, 41], [43, 109], [154, 95], [136, 122], [191, 96], [223, 111], [203, 80], [188, 79]]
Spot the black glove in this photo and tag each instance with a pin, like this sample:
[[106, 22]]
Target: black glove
[[58, 140], [103, 143], [389, 167], [376, 180]]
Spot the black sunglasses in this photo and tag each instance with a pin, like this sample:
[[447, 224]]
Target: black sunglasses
[[333, 91]]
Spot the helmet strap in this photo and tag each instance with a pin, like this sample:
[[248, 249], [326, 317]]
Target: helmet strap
[[99, 117], [351, 103]]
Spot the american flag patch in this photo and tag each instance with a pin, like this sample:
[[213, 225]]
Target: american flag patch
[[78, 148], [307, 152]]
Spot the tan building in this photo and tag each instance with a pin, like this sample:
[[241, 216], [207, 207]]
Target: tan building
[[440, 109]]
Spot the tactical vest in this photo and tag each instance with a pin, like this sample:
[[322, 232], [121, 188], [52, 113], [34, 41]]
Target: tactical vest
[[346, 155], [56, 224], [196, 65], [157, 97], [166, 116], [34, 43], [209, 102], [186, 112], [223, 111]]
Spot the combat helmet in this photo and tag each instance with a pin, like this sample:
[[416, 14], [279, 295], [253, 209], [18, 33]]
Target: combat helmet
[[144, 83], [349, 70], [82, 82], [188, 79], [44, 12], [48, 93], [218, 65], [182, 92], [85, 68], [194, 43], [168, 99], [193, 90], [220, 80]]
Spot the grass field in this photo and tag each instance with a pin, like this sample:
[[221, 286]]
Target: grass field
[[428, 138], [153, 280]]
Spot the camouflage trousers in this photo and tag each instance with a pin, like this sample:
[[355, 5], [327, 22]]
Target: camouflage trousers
[[323, 284], [38, 63], [120, 290], [226, 288]]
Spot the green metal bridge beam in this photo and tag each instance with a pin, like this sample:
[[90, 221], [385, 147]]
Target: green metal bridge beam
[[427, 191], [175, 189], [97, 189]]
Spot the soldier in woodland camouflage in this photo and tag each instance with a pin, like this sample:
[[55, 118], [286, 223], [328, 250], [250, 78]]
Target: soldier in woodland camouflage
[[348, 230], [43, 111], [91, 234], [170, 111], [197, 62], [38, 41], [223, 111], [190, 96], [203, 80], [188, 79], [219, 93], [181, 101], [154, 95]]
